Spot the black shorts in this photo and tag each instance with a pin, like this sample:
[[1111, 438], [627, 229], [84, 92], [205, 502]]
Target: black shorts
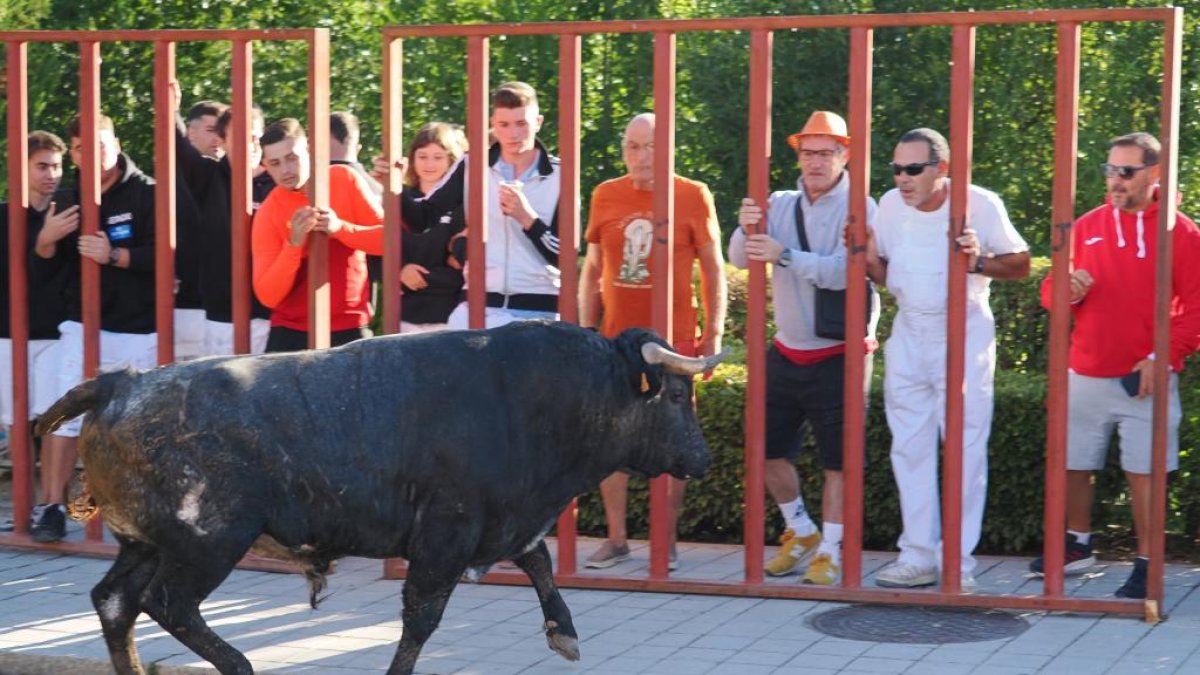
[[282, 339], [812, 393]]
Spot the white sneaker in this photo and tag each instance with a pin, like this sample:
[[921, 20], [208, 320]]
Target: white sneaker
[[906, 575]]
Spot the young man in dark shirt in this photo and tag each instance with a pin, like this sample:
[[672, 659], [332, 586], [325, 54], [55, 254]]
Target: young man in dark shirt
[[210, 181], [124, 248], [44, 298]]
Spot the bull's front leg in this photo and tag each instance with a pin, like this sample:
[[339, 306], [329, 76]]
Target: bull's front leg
[[560, 631], [116, 601]]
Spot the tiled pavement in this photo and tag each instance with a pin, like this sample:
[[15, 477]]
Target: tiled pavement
[[45, 610]]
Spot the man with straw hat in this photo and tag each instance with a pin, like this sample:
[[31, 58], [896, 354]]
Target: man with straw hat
[[803, 240]]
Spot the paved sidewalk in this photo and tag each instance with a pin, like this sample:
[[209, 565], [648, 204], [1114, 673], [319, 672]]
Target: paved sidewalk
[[45, 611]]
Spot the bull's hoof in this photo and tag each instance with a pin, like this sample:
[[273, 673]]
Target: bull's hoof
[[565, 645]]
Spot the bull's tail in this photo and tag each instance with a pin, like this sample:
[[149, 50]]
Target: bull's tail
[[90, 395]]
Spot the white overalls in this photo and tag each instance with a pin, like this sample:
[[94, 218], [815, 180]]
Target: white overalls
[[916, 246]]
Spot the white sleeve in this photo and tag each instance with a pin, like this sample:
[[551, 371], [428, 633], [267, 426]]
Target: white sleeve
[[996, 233]]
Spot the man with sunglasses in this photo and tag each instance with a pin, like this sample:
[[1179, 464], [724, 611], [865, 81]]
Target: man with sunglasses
[[1112, 343], [804, 370], [908, 252]]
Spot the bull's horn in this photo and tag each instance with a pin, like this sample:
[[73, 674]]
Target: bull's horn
[[679, 364]]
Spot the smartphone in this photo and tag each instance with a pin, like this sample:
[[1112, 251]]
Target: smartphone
[[1132, 382]]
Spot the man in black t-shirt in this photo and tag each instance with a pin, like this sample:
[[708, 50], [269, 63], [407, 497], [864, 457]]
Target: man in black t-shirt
[[123, 246]]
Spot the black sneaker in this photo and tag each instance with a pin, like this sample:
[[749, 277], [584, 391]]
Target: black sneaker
[[49, 523], [1079, 559], [1135, 585]]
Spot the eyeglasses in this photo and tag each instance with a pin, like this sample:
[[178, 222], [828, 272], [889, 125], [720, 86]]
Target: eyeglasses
[[912, 169], [1125, 172], [809, 155]]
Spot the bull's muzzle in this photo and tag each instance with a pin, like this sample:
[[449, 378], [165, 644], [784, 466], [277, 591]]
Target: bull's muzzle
[[679, 364]]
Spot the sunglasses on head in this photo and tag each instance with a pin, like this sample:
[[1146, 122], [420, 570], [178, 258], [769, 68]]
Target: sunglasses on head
[[1124, 172], [914, 169]]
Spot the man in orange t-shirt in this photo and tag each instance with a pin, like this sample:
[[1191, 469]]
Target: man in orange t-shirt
[[617, 281], [281, 231]]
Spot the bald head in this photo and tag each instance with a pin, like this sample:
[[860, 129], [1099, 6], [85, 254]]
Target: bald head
[[637, 150]]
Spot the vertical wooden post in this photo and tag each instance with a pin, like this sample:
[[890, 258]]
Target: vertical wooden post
[[241, 196], [961, 111], [1066, 143], [393, 150], [318, 187], [1168, 161], [854, 413], [663, 261], [89, 206], [477, 177], [569, 111], [164, 199], [16, 65], [758, 162]]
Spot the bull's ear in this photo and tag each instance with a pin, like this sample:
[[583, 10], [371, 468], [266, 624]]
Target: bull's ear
[[644, 378], [651, 381]]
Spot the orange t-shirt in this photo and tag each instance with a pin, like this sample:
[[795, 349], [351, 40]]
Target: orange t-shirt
[[280, 271], [621, 222]]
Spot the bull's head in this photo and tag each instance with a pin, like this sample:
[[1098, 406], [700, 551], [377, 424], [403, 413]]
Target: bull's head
[[664, 384]]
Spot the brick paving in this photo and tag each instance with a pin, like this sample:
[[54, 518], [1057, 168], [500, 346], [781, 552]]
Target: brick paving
[[45, 612]]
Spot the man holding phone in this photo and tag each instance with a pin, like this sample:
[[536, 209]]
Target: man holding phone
[[1112, 343]]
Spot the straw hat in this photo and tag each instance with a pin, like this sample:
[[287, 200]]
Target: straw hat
[[822, 123]]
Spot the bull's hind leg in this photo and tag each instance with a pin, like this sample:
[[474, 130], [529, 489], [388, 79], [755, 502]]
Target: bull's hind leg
[[427, 588], [116, 601], [184, 579], [560, 631]]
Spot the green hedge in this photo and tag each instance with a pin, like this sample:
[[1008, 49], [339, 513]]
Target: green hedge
[[1013, 521]]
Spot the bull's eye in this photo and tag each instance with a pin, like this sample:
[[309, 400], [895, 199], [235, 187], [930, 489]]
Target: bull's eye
[[678, 395]]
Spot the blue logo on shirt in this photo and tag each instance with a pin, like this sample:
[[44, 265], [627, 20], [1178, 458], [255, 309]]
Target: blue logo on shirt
[[120, 232]]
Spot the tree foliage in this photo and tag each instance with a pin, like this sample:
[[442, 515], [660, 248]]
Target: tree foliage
[[1014, 95]]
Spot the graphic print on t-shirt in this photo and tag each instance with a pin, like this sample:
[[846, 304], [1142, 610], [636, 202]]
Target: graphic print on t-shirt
[[639, 239]]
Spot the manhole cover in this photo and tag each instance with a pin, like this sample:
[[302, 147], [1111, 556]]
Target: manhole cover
[[917, 625]]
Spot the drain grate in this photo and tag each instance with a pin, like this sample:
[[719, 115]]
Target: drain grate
[[917, 625]]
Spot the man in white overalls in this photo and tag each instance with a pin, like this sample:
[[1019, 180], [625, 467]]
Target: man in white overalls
[[907, 252]]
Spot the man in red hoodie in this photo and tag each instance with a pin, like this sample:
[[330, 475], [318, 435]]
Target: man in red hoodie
[[1112, 344]]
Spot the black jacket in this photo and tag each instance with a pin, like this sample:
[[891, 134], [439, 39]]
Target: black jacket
[[189, 234], [127, 216], [430, 221], [209, 182], [45, 301]]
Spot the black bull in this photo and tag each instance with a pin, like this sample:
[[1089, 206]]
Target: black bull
[[453, 450]]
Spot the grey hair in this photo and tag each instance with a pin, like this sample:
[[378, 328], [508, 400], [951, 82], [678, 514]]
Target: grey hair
[[939, 149]]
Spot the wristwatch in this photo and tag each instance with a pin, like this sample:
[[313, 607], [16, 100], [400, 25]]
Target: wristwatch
[[785, 258], [978, 268], [114, 255]]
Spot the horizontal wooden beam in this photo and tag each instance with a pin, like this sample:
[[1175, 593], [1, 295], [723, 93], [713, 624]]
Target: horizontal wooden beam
[[784, 22]]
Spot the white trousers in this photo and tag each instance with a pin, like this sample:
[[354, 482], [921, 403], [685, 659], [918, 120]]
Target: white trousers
[[915, 403], [189, 334], [218, 337]]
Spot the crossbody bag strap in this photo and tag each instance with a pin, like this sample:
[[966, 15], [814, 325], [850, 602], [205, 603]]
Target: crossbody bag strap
[[800, 223]]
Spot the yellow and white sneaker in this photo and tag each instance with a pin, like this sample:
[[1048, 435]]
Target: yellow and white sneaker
[[794, 552], [823, 571]]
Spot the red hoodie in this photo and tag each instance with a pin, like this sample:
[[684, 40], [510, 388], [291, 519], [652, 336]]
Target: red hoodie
[[1114, 323]]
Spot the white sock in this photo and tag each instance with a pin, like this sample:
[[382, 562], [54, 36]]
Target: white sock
[[796, 517], [1084, 538], [831, 541]]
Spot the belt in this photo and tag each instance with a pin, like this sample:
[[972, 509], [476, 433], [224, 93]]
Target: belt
[[533, 302]]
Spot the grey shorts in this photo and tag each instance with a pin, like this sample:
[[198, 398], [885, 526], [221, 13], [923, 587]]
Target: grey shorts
[[1098, 406]]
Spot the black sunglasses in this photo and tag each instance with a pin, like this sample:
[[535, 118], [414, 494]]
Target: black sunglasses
[[1125, 172], [912, 169]]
